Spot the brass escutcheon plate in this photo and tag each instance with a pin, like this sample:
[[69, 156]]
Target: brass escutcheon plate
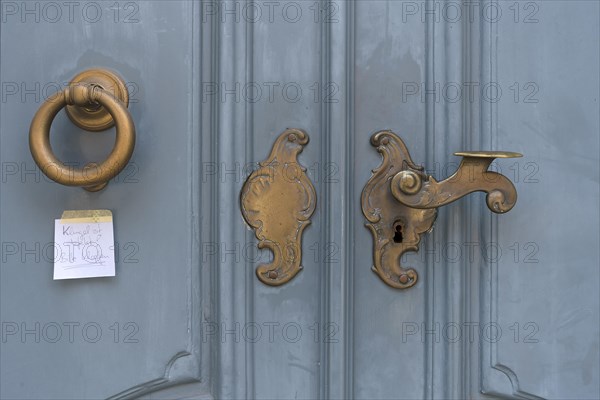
[[95, 117], [277, 201], [396, 228]]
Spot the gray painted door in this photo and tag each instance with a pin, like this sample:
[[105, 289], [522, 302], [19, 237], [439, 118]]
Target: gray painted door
[[506, 306]]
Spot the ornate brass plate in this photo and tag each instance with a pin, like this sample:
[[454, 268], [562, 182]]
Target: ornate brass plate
[[400, 201], [396, 228], [277, 201]]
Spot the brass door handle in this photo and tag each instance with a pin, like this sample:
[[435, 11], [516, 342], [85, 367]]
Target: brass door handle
[[91, 106], [400, 201], [414, 189]]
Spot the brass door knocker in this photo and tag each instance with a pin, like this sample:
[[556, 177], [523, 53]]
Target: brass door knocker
[[95, 100], [400, 201]]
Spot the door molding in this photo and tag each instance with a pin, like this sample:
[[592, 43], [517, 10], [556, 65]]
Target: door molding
[[192, 364], [496, 379]]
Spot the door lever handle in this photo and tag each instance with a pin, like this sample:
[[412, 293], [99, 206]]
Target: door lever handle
[[91, 105], [400, 201], [414, 189]]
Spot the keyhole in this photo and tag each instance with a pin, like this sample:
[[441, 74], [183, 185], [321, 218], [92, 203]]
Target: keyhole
[[398, 233]]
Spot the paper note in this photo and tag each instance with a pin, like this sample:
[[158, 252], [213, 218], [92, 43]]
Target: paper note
[[84, 245]]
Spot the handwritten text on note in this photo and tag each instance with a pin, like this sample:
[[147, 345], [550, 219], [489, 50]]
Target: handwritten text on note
[[84, 245]]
